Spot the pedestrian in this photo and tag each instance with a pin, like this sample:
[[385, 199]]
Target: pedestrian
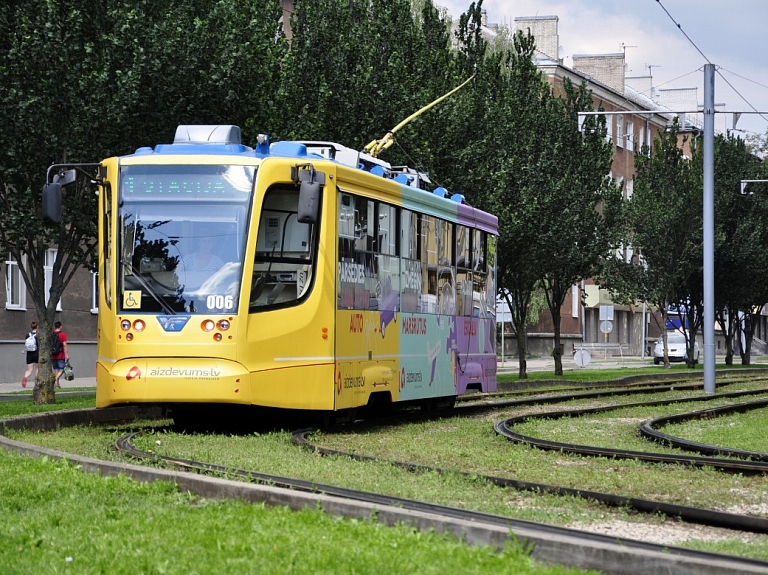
[[59, 351], [33, 353]]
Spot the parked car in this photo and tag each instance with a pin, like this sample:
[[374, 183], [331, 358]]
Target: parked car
[[675, 348]]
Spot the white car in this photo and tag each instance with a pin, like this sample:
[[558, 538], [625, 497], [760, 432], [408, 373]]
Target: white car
[[675, 348]]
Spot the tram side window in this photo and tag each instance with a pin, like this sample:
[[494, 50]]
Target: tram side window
[[427, 250], [490, 281], [358, 246], [411, 267], [387, 262], [480, 291], [446, 273], [463, 271], [283, 266], [409, 233]]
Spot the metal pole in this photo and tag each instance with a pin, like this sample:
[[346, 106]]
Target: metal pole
[[502, 337], [708, 322], [643, 335]]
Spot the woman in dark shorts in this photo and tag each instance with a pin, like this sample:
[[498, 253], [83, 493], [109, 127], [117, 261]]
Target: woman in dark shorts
[[33, 357]]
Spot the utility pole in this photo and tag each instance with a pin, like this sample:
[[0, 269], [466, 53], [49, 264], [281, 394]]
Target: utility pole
[[708, 323]]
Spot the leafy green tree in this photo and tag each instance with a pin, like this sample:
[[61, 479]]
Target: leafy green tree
[[581, 208], [510, 154], [357, 68], [533, 161], [758, 144], [741, 261], [665, 218], [82, 81]]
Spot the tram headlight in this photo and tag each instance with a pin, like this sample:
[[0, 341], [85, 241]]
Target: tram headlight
[[139, 325], [223, 324], [208, 325], [217, 336], [125, 325]]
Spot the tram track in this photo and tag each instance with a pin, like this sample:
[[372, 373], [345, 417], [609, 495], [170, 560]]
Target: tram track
[[649, 429], [712, 518], [505, 429], [547, 543], [514, 525], [682, 559]]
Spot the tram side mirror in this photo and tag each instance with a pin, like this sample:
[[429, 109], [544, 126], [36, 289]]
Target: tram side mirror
[[309, 201], [52, 195], [309, 194], [52, 203]]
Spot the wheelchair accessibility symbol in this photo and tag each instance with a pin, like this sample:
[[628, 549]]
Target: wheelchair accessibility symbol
[[132, 299]]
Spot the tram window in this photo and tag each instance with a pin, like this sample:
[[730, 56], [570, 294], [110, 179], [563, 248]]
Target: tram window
[[427, 253], [446, 280], [463, 273], [490, 283], [283, 266], [364, 233], [411, 275], [362, 281], [478, 250], [479, 295], [387, 229], [409, 233], [462, 247], [428, 240], [445, 243]]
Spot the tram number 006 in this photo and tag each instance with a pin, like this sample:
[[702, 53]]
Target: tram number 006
[[220, 302]]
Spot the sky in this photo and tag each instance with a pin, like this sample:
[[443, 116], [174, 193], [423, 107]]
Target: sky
[[730, 34]]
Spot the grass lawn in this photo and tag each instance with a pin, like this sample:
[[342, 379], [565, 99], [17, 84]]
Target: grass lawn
[[57, 519]]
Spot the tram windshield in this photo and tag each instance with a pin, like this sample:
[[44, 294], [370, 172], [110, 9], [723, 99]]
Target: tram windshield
[[182, 232]]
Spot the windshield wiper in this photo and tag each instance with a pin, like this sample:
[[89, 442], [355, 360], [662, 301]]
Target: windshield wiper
[[147, 286]]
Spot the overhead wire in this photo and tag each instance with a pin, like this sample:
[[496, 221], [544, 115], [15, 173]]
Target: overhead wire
[[717, 69]]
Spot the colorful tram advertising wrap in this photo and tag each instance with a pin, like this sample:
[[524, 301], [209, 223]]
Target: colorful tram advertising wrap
[[299, 275]]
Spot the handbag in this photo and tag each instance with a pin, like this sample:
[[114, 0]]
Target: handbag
[[69, 372]]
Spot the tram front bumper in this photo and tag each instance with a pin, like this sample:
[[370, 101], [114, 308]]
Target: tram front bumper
[[172, 380]]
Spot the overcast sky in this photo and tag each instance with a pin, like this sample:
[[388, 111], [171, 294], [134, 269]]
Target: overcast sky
[[732, 34]]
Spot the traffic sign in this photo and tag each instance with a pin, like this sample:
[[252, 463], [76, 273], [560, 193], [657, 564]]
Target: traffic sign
[[581, 358]]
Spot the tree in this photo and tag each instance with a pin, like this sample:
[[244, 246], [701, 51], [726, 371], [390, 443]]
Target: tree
[[581, 207], [741, 262], [665, 219], [531, 160], [758, 144], [80, 82], [358, 68], [508, 154]]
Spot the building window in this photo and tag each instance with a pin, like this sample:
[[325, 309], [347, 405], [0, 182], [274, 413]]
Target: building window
[[50, 257], [630, 189], [620, 131], [575, 301], [95, 292], [630, 137], [609, 128], [15, 289]]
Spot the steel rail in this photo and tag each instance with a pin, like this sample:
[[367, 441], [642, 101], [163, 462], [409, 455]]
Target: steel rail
[[649, 429], [124, 444]]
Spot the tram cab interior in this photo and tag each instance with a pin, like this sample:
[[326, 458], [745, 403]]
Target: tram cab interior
[[283, 263], [158, 255]]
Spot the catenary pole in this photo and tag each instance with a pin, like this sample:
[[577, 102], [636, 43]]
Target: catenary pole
[[708, 323]]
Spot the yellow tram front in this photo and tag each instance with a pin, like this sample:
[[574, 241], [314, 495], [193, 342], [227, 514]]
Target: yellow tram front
[[208, 260]]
